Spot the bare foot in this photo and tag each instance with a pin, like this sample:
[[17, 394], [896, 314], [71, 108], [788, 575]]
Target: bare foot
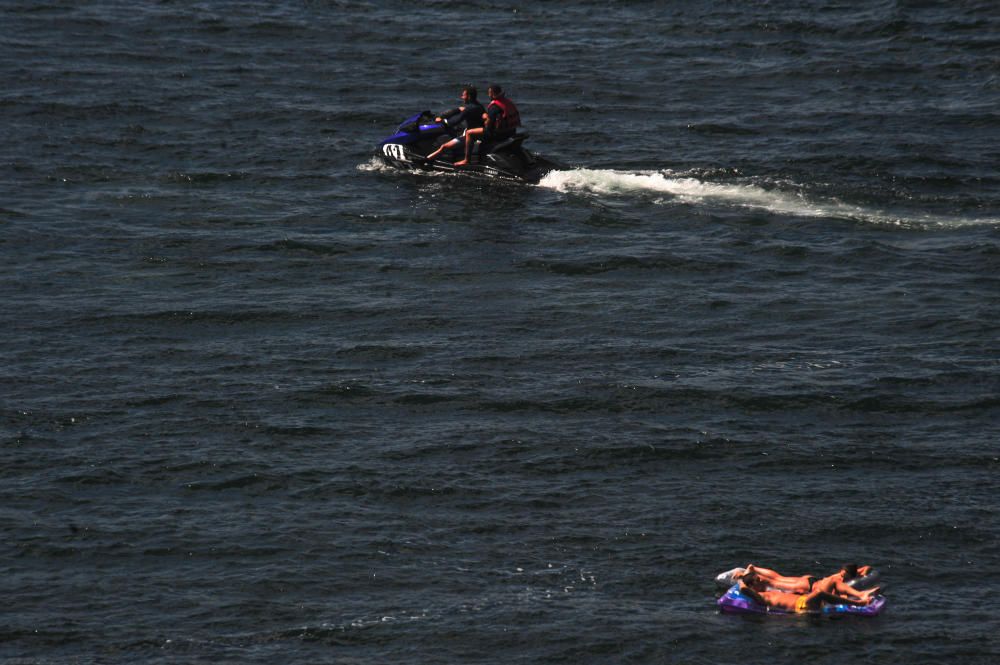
[[464, 162]]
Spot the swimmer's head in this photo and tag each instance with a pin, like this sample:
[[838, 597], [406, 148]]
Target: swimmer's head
[[749, 579], [850, 570]]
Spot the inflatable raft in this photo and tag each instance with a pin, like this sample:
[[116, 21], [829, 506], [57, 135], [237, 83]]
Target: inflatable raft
[[735, 602]]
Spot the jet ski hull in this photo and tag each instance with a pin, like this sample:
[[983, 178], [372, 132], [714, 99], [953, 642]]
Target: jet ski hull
[[506, 161], [404, 158]]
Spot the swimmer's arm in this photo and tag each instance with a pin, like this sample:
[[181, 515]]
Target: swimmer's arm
[[847, 591], [752, 595]]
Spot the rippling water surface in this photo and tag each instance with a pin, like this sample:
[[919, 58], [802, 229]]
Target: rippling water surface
[[264, 400]]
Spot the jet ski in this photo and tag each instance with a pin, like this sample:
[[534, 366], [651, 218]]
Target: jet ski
[[418, 136]]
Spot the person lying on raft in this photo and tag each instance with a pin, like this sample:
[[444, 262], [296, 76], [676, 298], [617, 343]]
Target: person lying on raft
[[754, 587], [836, 583]]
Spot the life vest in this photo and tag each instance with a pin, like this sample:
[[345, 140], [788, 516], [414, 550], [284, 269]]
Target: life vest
[[509, 118]]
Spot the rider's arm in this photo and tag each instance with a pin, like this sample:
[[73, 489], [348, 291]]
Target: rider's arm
[[493, 114], [449, 113], [492, 119]]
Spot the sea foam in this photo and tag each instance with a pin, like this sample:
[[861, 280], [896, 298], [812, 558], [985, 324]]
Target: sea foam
[[691, 190]]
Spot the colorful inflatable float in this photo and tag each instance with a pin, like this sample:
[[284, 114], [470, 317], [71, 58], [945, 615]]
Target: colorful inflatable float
[[734, 602]]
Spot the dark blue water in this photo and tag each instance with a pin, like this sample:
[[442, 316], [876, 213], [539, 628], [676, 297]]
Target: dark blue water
[[264, 400]]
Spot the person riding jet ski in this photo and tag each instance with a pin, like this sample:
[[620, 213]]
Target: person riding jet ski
[[502, 120], [471, 113], [415, 144]]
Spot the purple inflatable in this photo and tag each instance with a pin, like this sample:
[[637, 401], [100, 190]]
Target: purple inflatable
[[735, 602]]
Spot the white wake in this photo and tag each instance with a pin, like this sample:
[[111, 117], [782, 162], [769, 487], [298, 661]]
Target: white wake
[[690, 190]]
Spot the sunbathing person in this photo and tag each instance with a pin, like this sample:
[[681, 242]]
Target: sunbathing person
[[754, 587], [836, 583]]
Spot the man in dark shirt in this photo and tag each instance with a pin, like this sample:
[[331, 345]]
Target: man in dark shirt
[[470, 113]]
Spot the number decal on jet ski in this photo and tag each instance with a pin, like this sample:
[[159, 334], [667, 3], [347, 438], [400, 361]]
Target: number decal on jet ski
[[394, 151]]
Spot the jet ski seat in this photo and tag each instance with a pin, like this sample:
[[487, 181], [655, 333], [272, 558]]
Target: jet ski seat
[[511, 145], [513, 142]]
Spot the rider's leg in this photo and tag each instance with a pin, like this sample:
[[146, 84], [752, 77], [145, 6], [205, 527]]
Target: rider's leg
[[450, 144], [470, 139]]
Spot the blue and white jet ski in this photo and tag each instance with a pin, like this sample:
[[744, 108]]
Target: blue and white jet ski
[[420, 135]]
